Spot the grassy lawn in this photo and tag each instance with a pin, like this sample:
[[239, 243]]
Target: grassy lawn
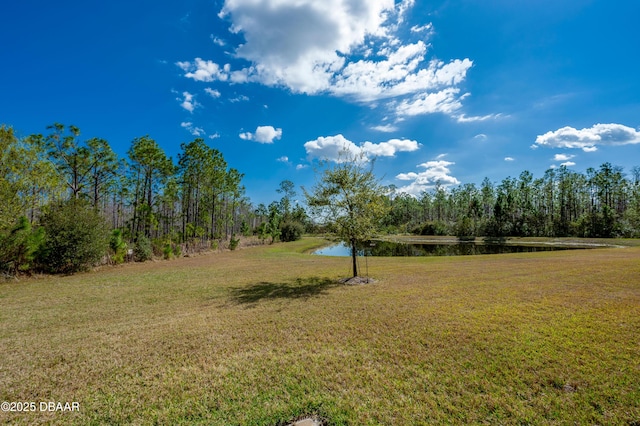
[[265, 335]]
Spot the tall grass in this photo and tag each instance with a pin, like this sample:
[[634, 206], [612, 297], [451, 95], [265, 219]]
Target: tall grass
[[265, 335]]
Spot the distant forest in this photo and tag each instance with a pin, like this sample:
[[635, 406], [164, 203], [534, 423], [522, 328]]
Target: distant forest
[[603, 202], [58, 192]]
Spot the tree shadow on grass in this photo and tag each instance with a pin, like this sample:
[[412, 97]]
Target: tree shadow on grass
[[300, 288]]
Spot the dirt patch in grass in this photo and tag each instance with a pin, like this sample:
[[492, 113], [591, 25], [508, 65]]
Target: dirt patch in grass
[[357, 280]]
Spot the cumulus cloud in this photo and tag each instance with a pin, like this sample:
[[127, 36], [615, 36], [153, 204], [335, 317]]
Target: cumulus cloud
[[263, 134], [339, 149], [436, 172], [212, 92], [283, 159], [568, 164], [187, 101], [346, 48], [207, 71], [332, 148], [389, 148], [589, 139], [562, 157], [509, 159]]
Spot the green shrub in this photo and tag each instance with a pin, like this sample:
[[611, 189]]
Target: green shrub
[[464, 229], [118, 246], [142, 250], [76, 237], [167, 251], [244, 229], [430, 228], [18, 248], [233, 242], [291, 231]]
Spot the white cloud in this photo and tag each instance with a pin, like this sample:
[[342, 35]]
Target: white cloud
[[195, 131], [212, 92], [446, 101], [462, 118], [389, 148], [283, 159], [436, 171], [301, 166], [207, 71], [568, 164], [422, 28], [387, 128], [188, 102], [217, 40], [263, 134], [241, 98], [339, 149], [215, 136], [509, 159], [481, 137], [562, 157], [589, 139], [346, 48], [332, 148]]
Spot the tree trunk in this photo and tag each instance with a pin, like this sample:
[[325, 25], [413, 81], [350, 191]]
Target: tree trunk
[[353, 258]]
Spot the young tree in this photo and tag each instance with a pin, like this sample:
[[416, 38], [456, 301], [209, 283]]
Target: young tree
[[350, 199]]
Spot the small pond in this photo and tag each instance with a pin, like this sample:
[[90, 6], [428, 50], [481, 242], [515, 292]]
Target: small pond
[[388, 248]]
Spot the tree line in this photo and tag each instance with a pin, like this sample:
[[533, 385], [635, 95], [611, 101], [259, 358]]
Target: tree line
[[602, 202], [66, 202]]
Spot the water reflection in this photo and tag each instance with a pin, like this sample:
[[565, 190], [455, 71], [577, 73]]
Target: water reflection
[[387, 248]]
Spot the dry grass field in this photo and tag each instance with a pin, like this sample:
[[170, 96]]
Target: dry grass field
[[265, 335]]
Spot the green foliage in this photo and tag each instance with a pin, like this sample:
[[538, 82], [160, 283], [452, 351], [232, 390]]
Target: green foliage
[[233, 242], [244, 229], [464, 228], [76, 237], [167, 251], [169, 248], [262, 231], [350, 199], [142, 251], [118, 246], [19, 247], [431, 228], [26, 177], [291, 231], [151, 168], [275, 219]]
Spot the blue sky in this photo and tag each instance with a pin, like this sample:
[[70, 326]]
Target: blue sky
[[449, 91]]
